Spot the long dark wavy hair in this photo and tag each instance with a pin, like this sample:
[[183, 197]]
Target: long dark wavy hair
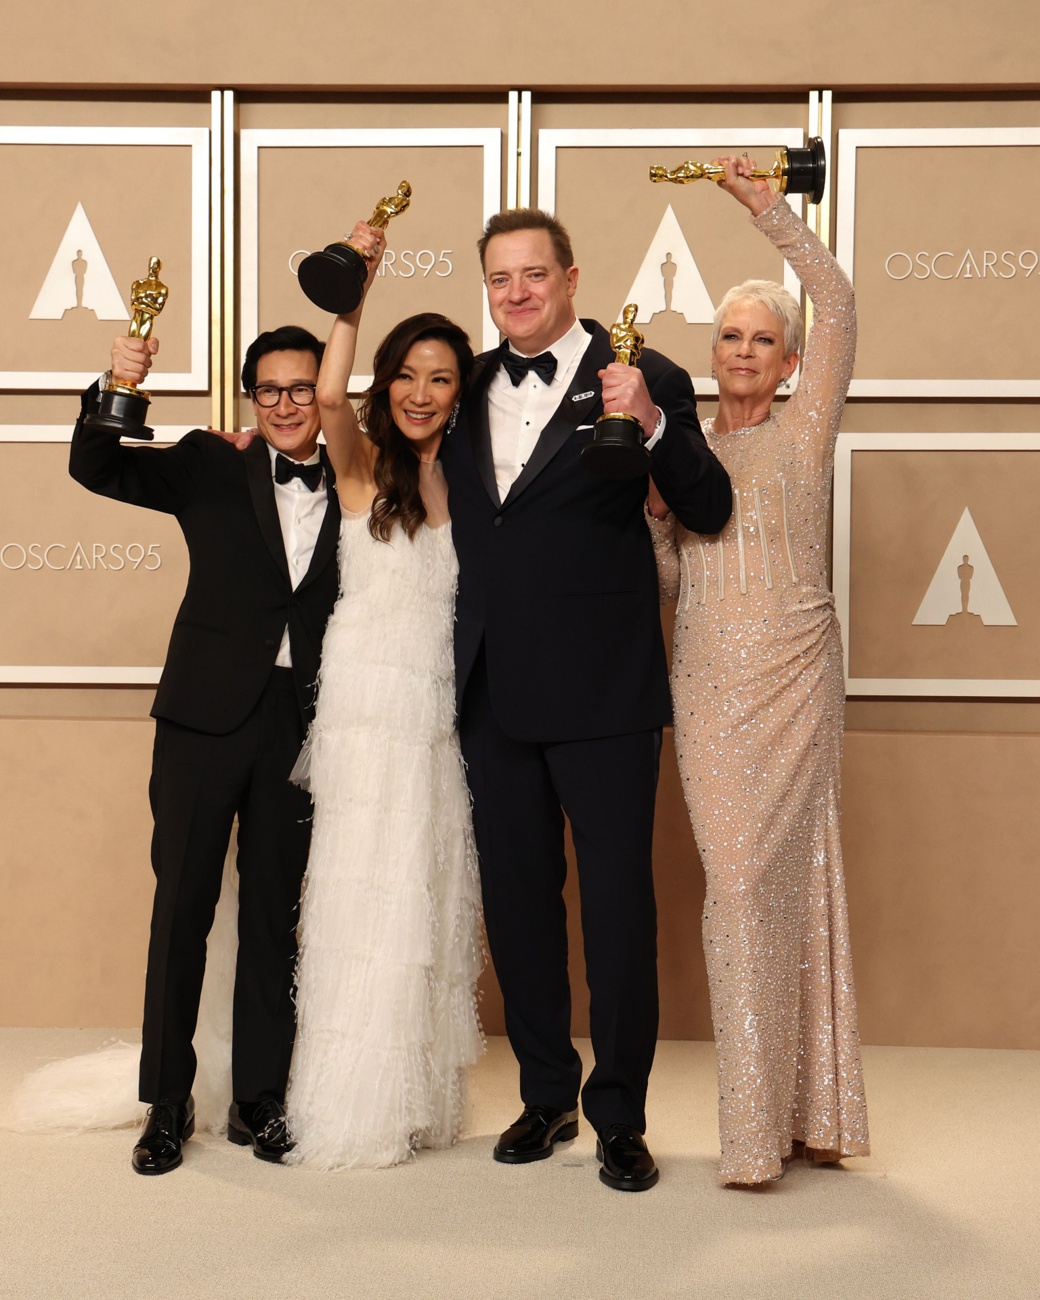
[[396, 470]]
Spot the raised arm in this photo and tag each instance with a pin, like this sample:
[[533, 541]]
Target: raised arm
[[830, 350], [816, 406], [158, 478], [349, 450]]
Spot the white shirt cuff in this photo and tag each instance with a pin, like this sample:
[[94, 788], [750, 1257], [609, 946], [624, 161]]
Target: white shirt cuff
[[655, 437]]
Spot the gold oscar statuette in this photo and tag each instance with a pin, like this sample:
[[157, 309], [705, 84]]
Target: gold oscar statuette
[[334, 279], [617, 450], [123, 406], [795, 171]]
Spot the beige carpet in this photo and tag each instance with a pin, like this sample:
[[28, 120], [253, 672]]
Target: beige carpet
[[947, 1207]]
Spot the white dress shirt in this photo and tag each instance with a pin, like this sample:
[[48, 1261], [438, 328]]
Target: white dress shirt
[[300, 513], [518, 414]]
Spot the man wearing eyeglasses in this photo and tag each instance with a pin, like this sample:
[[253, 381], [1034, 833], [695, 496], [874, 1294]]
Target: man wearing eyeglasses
[[231, 711]]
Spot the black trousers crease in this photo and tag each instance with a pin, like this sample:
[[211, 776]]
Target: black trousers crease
[[199, 783]]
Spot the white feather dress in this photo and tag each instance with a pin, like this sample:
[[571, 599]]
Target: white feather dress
[[389, 920]]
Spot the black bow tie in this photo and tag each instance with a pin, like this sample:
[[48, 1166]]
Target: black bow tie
[[285, 469], [516, 366]]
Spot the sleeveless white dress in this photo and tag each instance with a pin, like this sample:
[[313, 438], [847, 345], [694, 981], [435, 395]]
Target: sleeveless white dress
[[390, 945]]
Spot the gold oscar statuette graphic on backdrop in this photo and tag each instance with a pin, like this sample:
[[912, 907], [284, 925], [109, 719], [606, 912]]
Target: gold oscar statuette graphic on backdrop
[[795, 171], [123, 406], [334, 279], [616, 450]]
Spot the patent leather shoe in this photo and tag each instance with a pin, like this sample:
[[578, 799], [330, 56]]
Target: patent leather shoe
[[169, 1125], [261, 1125], [627, 1164], [534, 1134]]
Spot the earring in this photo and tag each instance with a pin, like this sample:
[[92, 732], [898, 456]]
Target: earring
[[451, 419], [713, 374], [785, 382]]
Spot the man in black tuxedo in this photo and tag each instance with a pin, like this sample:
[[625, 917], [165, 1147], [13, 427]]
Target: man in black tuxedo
[[562, 682], [231, 711]]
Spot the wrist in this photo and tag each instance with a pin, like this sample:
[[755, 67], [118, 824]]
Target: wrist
[[760, 203], [651, 422]]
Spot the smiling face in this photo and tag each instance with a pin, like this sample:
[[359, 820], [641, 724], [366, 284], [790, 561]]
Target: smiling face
[[290, 429], [748, 358], [529, 293], [423, 393]]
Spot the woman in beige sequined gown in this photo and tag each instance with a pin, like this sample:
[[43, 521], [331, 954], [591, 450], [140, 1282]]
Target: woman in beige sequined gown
[[758, 698]]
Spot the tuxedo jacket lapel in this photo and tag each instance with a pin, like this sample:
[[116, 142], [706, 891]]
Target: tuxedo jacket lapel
[[261, 489], [480, 428], [585, 386], [328, 534]]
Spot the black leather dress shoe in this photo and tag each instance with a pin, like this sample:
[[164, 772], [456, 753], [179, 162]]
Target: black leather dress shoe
[[261, 1125], [627, 1164], [533, 1135], [158, 1149]]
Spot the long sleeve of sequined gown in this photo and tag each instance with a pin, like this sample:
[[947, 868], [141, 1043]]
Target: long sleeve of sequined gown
[[758, 696]]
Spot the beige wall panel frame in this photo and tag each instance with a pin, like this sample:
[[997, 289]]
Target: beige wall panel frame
[[89, 586], [925, 515], [946, 197], [616, 218], [488, 140], [146, 187]]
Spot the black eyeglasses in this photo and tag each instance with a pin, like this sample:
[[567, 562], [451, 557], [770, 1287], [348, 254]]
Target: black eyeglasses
[[271, 395]]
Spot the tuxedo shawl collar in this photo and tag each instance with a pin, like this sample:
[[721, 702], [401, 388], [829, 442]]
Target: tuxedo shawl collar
[[261, 489], [568, 415]]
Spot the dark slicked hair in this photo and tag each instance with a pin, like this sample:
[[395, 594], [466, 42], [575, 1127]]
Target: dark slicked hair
[[287, 338], [396, 469], [514, 219]]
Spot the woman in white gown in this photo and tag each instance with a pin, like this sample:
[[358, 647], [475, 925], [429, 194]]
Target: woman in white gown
[[389, 922]]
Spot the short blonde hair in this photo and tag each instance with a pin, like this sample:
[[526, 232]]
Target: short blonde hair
[[776, 299]]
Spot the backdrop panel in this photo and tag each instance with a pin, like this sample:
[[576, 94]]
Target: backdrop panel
[[86, 207], [935, 560], [89, 586], [431, 266], [672, 250], [937, 229]]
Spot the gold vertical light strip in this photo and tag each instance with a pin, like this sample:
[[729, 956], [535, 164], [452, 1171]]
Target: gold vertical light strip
[[216, 236], [518, 150], [230, 312], [525, 157], [824, 129], [513, 150]]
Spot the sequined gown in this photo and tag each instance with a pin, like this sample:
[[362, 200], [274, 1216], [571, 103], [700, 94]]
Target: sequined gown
[[389, 946], [758, 698]]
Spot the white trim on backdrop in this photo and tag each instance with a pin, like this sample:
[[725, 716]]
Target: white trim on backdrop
[[165, 434], [197, 139], [848, 445]]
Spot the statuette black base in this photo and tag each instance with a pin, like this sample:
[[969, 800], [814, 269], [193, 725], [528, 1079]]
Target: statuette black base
[[123, 413], [334, 279], [806, 170], [616, 450]]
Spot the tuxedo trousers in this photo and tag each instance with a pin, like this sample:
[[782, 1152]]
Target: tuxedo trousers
[[522, 792], [199, 783]]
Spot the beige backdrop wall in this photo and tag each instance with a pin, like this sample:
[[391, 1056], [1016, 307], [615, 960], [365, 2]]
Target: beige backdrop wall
[[940, 835]]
